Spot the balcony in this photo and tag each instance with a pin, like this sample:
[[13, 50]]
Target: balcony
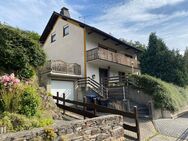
[[118, 58], [59, 66]]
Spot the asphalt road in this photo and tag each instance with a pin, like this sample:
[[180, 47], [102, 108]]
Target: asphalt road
[[177, 128]]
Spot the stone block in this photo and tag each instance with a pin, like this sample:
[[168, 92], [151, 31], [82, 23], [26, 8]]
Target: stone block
[[117, 132], [102, 136], [95, 130]]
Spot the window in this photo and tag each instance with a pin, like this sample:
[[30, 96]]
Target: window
[[53, 37], [65, 30]]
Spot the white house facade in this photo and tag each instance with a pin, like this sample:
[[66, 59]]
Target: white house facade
[[76, 51]]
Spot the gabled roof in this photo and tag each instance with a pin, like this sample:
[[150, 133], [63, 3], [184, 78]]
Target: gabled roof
[[55, 16]]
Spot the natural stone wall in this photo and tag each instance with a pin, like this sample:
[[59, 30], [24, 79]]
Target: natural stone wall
[[108, 128]]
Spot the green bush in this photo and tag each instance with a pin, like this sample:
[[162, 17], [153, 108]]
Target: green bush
[[5, 121], [17, 122], [29, 102], [26, 73], [19, 51], [45, 122], [10, 99], [165, 95]]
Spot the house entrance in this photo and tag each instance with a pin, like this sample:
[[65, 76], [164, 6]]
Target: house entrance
[[103, 73]]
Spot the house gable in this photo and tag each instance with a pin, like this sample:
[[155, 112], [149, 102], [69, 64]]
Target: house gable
[[69, 48]]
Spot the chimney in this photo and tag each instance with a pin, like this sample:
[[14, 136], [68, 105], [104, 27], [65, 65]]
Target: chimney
[[65, 12]]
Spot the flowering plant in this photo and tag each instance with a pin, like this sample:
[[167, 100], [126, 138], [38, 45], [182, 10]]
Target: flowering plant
[[9, 80]]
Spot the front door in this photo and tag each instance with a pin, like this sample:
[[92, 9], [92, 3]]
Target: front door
[[103, 73]]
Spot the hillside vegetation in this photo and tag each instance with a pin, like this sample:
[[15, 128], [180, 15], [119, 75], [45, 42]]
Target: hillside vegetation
[[20, 52], [161, 62], [165, 95]]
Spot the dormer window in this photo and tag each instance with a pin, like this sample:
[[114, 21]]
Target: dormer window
[[53, 37], [65, 30]]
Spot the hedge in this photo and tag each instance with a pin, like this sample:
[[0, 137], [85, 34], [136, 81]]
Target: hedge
[[165, 95]]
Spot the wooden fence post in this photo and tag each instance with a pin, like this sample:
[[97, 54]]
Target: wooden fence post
[[94, 106], [137, 123], [84, 106], [57, 98], [63, 102]]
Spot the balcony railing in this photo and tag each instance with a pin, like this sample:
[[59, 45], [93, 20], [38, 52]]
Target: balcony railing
[[103, 54], [59, 66]]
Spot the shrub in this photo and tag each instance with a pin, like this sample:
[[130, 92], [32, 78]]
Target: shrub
[[9, 100], [17, 122], [30, 102], [19, 51], [165, 95], [5, 121], [45, 121], [26, 73]]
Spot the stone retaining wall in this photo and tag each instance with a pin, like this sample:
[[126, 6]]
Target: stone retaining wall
[[108, 128]]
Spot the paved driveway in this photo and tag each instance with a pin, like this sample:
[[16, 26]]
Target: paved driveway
[[177, 128]]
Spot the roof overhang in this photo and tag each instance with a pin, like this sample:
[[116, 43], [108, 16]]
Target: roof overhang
[[54, 18]]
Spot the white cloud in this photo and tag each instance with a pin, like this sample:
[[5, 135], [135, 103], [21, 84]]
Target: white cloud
[[31, 14], [133, 20], [137, 10]]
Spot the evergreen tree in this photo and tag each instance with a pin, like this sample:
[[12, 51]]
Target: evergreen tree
[[162, 63]]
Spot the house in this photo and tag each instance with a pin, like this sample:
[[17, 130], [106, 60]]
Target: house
[[78, 51]]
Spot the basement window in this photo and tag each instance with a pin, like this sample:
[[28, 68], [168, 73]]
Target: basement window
[[53, 37], [65, 30]]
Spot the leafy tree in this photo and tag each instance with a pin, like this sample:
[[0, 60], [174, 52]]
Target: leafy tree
[[136, 44], [19, 51], [162, 63]]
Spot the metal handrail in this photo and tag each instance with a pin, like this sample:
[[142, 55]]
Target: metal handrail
[[88, 81]]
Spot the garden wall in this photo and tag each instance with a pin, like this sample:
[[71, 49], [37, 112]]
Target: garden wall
[[101, 128]]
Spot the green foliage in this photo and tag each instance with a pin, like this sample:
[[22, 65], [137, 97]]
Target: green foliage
[[29, 102], [9, 99], [160, 62], [165, 95], [26, 72], [19, 51], [17, 122], [136, 44], [5, 121], [22, 98], [45, 121]]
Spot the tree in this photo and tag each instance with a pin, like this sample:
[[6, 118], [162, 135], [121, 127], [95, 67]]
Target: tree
[[136, 44], [185, 57], [162, 63], [20, 51]]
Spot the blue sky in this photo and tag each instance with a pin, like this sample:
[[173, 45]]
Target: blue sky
[[129, 19]]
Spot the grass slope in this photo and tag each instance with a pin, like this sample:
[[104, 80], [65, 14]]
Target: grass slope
[[165, 95]]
